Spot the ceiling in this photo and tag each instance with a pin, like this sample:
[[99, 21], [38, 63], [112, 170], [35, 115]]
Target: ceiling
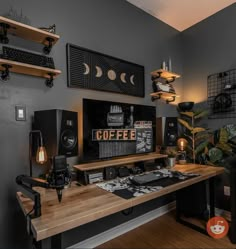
[[181, 14]]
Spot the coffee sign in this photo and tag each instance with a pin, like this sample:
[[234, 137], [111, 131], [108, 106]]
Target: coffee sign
[[114, 134]]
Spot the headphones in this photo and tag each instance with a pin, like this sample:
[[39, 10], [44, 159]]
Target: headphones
[[222, 101]]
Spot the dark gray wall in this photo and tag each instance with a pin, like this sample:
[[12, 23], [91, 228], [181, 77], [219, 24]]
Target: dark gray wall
[[111, 27], [209, 48]]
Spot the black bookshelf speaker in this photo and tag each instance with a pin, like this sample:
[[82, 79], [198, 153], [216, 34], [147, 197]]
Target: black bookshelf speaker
[[59, 130], [167, 131]]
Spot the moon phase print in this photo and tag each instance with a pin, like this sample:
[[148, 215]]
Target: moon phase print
[[96, 71]]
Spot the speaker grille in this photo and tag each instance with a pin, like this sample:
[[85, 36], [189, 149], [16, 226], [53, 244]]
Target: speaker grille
[[59, 129], [167, 131]]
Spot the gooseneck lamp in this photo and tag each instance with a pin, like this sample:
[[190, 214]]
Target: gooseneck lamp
[[41, 155]]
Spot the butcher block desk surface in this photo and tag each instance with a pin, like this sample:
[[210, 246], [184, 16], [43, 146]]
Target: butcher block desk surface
[[84, 204]]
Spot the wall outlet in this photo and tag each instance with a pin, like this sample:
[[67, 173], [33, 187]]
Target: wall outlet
[[227, 190]]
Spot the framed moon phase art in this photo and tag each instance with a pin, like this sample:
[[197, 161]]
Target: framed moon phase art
[[93, 70]]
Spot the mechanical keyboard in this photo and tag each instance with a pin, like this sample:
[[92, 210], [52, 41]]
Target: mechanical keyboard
[[13, 54]]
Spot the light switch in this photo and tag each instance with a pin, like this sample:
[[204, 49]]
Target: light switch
[[20, 113]]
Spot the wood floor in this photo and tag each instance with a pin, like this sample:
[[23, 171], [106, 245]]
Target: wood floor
[[165, 232]]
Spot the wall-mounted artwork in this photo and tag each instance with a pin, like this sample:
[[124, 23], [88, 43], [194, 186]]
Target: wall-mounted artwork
[[92, 70], [221, 89]]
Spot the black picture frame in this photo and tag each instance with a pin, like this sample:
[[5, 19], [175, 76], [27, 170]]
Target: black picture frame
[[96, 71]]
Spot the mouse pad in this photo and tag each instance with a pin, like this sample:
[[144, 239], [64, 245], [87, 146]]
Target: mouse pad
[[126, 188]]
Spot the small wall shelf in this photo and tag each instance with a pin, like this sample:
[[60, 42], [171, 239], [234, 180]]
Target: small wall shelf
[[169, 97], [169, 76], [163, 90], [27, 32], [8, 26], [7, 66]]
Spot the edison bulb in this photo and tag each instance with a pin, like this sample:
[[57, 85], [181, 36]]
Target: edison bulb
[[41, 156]]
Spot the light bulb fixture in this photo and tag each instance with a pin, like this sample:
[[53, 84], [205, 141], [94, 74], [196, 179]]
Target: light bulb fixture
[[41, 154], [182, 144]]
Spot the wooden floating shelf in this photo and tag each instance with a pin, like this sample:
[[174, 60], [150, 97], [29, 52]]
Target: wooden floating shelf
[[23, 68], [169, 97], [164, 95], [164, 74], [117, 162], [28, 32]]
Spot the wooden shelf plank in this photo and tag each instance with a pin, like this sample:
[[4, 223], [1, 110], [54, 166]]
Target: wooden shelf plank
[[23, 68], [164, 95], [165, 74], [28, 32], [118, 161]]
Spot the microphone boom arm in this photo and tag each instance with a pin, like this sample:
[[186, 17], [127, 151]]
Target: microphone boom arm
[[27, 182], [22, 181]]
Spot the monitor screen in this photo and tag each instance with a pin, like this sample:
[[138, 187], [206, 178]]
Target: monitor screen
[[113, 129]]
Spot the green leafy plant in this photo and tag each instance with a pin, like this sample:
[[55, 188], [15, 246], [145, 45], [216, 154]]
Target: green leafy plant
[[197, 137], [221, 147], [171, 153]]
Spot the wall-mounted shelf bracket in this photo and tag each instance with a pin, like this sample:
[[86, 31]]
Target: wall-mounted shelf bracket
[[3, 34], [170, 100], [157, 75], [168, 76], [157, 96], [5, 72], [47, 48], [169, 97], [49, 81], [170, 80]]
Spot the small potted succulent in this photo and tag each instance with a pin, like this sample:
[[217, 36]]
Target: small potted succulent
[[171, 159]]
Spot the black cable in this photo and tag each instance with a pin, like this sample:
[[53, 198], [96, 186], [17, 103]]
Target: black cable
[[28, 214]]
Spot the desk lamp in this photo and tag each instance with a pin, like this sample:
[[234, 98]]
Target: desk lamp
[[41, 155], [182, 144]]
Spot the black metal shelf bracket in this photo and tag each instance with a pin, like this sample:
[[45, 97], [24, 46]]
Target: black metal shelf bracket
[[170, 100], [3, 34], [170, 80], [156, 97], [49, 81], [47, 49], [5, 72], [157, 76]]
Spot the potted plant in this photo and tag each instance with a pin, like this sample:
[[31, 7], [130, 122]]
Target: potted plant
[[171, 159], [197, 137]]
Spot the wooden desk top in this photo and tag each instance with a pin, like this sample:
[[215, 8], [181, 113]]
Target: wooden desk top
[[81, 205]]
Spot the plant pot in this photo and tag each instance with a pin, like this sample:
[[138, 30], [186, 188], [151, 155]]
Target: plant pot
[[171, 161]]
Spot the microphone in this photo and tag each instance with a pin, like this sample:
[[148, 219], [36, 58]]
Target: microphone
[[59, 176]]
